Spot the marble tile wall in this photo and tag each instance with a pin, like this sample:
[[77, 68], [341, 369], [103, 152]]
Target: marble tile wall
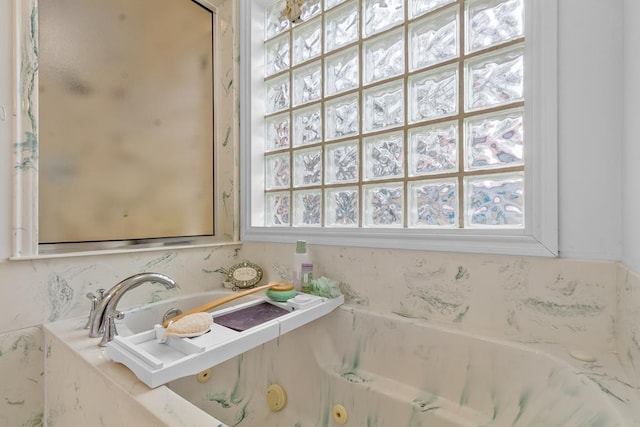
[[628, 322], [520, 298], [39, 292]]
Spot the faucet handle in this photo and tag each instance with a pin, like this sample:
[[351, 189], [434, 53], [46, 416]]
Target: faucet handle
[[110, 327], [95, 300]]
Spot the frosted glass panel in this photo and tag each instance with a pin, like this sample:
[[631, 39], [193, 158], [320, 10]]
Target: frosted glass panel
[[494, 22], [379, 15], [433, 203], [328, 4], [495, 79], [342, 162], [495, 200], [277, 94], [384, 56], [277, 209], [433, 39], [383, 205], [342, 206], [433, 95], [403, 113], [307, 126], [307, 208], [433, 149], [278, 132], [341, 25], [307, 167], [342, 117], [277, 171], [383, 156], [418, 7], [383, 106], [342, 71], [310, 8], [277, 53], [307, 41], [307, 83], [275, 22], [125, 119], [495, 141]]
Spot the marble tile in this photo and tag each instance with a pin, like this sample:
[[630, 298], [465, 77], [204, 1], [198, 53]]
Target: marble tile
[[386, 370], [521, 298], [628, 322], [21, 370]]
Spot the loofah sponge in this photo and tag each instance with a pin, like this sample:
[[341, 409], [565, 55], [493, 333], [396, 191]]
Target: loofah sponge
[[325, 287], [191, 325]]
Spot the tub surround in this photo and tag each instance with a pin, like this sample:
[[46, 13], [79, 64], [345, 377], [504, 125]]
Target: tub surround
[[56, 289], [518, 298], [84, 387], [382, 367], [531, 300]]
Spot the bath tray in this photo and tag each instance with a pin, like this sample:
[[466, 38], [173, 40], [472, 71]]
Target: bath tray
[[155, 362]]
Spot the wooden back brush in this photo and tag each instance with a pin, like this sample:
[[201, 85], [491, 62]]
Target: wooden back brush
[[274, 289]]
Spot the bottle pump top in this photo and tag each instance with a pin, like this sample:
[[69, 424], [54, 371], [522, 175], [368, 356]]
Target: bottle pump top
[[301, 247]]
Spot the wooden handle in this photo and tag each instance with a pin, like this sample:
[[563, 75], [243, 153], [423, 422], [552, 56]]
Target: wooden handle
[[276, 286]]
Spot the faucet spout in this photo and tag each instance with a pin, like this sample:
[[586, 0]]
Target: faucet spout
[[105, 310]]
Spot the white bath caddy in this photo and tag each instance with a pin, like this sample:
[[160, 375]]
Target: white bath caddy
[[155, 362]]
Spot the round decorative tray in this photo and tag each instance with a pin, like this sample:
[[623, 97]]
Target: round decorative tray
[[244, 275]]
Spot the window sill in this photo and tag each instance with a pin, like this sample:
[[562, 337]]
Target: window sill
[[158, 247], [510, 242]]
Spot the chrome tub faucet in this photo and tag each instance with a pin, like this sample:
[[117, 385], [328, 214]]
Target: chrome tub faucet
[[104, 311]]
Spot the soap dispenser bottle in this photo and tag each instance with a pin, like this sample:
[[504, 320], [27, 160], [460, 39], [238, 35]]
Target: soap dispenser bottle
[[303, 268]]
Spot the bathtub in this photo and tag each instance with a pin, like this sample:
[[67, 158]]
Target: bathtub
[[352, 367]]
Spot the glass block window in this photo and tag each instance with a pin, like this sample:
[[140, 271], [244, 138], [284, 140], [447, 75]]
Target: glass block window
[[395, 114]]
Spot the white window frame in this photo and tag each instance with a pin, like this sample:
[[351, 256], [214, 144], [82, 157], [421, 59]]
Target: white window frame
[[539, 237]]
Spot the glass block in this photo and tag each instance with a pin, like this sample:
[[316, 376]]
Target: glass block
[[433, 39], [383, 56], [433, 203], [495, 79], [419, 7], [383, 156], [328, 4], [495, 200], [307, 208], [341, 117], [495, 140], [341, 26], [341, 163], [277, 171], [274, 22], [307, 41], [277, 55], [433, 149], [382, 205], [342, 71], [493, 22], [433, 94], [277, 93], [383, 106], [309, 9], [277, 208], [307, 125], [307, 83], [341, 207], [307, 167], [277, 132], [379, 15]]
